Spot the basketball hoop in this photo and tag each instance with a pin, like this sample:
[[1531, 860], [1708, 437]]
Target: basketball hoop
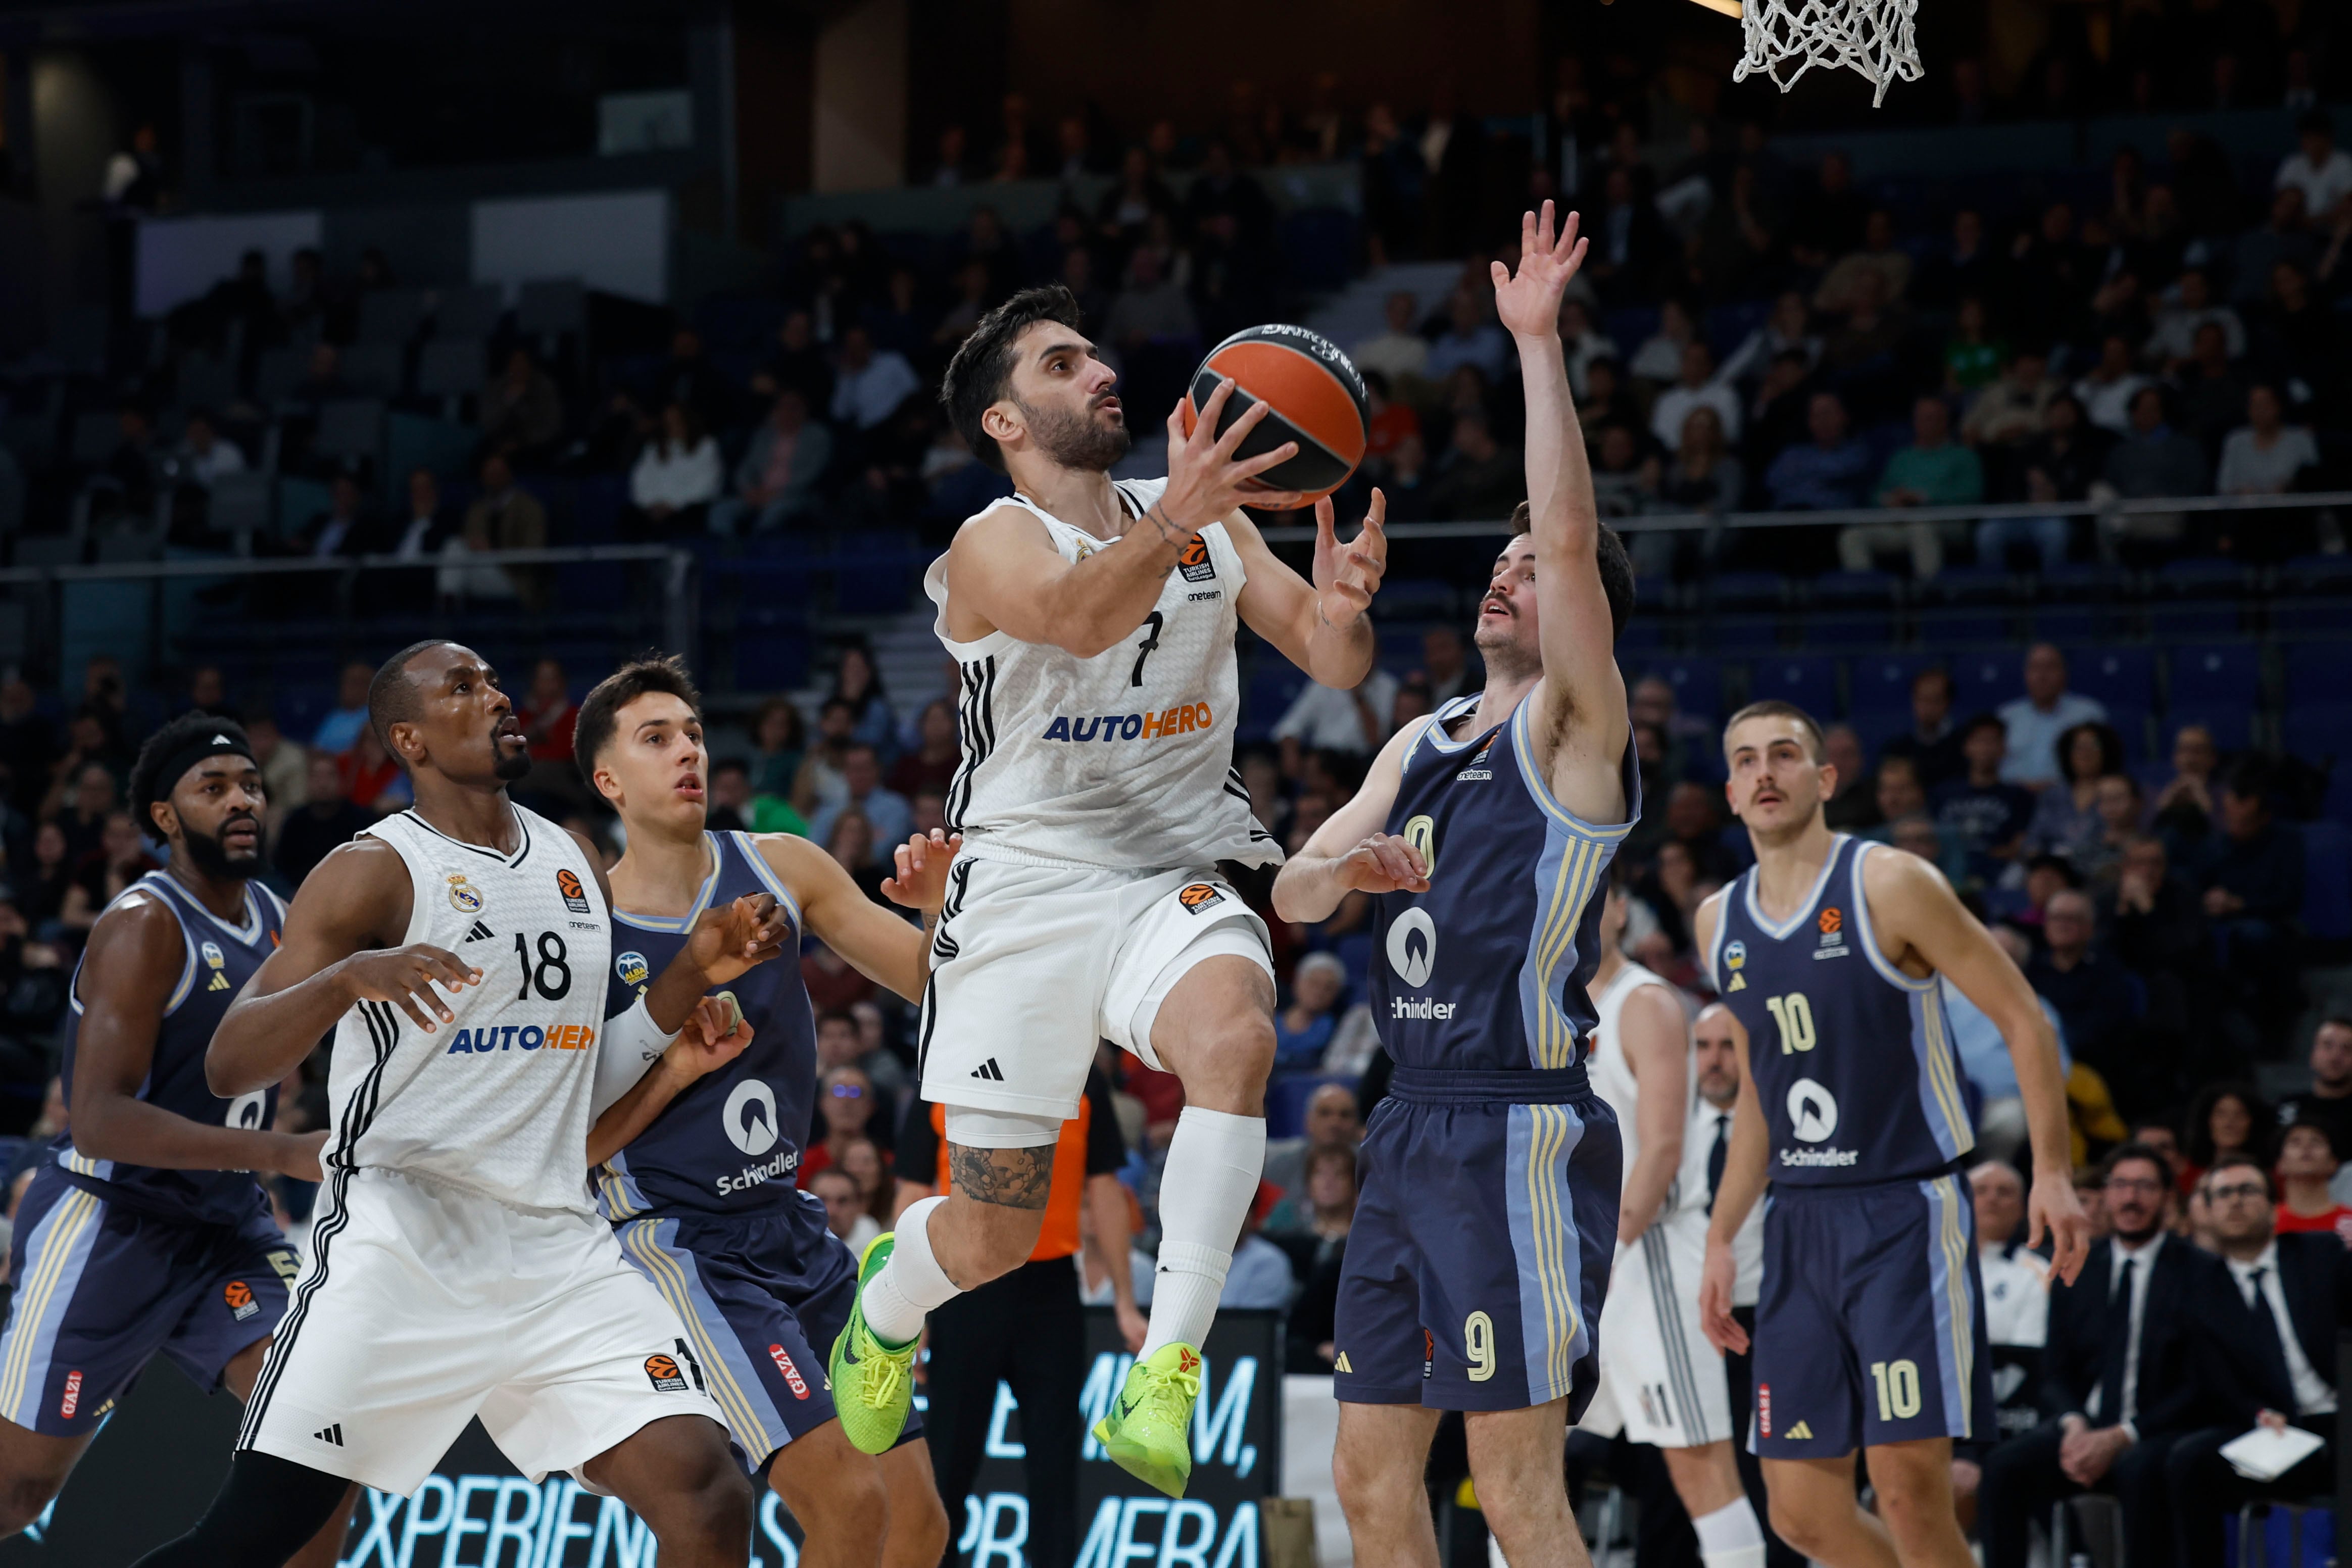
[[1786, 38]]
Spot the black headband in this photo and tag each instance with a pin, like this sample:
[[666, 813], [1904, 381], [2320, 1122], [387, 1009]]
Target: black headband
[[226, 740]]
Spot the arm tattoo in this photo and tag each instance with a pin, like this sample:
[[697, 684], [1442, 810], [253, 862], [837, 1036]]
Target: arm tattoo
[[1016, 1178]]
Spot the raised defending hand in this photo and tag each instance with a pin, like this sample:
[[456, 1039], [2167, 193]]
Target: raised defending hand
[[405, 976], [1347, 575], [2053, 1207], [725, 942], [715, 1034], [1205, 481], [1529, 303], [1384, 864], [921, 879], [1716, 1277]]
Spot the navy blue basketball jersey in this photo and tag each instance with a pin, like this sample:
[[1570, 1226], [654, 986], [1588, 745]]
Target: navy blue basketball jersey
[[220, 958], [732, 1142], [1488, 970], [1852, 1059]]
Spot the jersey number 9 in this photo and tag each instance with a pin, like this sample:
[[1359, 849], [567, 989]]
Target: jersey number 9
[[1478, 1344], [1795, 1016]]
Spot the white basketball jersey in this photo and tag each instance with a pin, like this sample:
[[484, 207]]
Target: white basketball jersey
[[497, 1101], [1613, 1076], [1123, 761]]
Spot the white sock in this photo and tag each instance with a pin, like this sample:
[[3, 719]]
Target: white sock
[[911, 1281], [1214, 1164], [1730, 1536]]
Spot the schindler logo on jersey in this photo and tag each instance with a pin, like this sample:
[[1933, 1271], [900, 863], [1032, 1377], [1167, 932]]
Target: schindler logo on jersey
[[750, 1120], [1413, 957], [1813, 1118]]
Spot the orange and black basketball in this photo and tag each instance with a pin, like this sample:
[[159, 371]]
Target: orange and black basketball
[[1313, 395]]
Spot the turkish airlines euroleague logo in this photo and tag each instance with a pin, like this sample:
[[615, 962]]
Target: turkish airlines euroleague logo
[[1198, 897], [1194, 562], [1831, 922], [664, 1374], [575, 897]]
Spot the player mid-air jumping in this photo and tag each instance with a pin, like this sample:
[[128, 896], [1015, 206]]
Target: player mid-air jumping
[[1870, 1330], [700, 1176], [1481, 1246], [457, 1266], [146, 1232], [1093, 622]]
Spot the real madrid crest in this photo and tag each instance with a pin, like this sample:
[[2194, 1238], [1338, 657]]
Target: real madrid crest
[[463, 897]]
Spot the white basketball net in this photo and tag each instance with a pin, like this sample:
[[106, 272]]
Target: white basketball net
[[1786, 38]]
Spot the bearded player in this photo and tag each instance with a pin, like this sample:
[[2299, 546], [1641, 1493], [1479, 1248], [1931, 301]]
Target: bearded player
[[1870, 1328], [1481, 1249], [697, 1176], [1093, 622], [146, 1233]]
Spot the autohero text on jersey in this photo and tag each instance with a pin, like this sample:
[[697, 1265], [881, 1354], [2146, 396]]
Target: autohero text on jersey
[[1177, 721], [521, 1037]]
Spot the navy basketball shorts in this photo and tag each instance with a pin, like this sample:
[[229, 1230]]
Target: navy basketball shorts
[[1870, 1325], [762, 1298], [1480, 1252], [102, 1288]]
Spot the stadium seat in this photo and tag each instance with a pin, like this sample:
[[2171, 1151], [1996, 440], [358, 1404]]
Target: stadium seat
[[1747, 590], [2328, 880], [471, 311], [1318, 245], [2315, 671], [1697, 683], [372, 369], [1418, 598], [1809, 680], [551, 307], [2218, 675], [450, 367], [349, 428], [2121, 677], [2194, 620], [2318, 734], [277, 373], [1880, 683], [390, 315], [1986, 681], [95, 436]]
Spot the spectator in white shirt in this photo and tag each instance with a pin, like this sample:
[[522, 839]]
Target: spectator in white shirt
[[1782, 330], [2318, 168], [2189, 305], [677, 475], [2035, 720], [1400, 352], [203, 456], [1326, 719], [1699, 388], [2262, 456], [1660, 357], [776, 481], [870, 384], [2107, 391]]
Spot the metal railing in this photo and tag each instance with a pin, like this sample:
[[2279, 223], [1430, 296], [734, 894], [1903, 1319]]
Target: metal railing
[[1699, 521]]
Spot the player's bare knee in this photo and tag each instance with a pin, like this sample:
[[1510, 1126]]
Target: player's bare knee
[[918, 1527], [847, 1509], [716, 1509], [22, 1498], [1228, 1064]]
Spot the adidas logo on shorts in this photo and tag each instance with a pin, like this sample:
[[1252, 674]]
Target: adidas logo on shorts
[[989, 1070], [333, 1435]]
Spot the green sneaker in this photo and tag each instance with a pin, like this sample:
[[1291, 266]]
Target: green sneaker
[[873, 1382], [1148, 1430]]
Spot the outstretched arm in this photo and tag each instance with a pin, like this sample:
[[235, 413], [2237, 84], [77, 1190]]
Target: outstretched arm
[[1322, 626], [1350, 852], [870, 939], [1916, 911], [1583, 725], [1005, 573]]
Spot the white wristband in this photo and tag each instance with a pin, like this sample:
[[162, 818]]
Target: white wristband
[[633, 1042]]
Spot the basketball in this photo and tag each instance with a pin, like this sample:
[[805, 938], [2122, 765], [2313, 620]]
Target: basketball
[[1313, 395]]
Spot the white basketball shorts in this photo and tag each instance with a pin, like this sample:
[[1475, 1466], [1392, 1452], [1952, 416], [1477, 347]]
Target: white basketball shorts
[[1662, 1382], [1031, 965], [420, 1306]]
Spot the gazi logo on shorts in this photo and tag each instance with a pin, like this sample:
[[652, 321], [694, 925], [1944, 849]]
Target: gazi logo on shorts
[[72, 1400], [1764, 1408], [239, 1297], [750, 1123], [1181, 720], [1413, 957], [521, 1037], [575, 897], [1813, 1119], [783, 1358]]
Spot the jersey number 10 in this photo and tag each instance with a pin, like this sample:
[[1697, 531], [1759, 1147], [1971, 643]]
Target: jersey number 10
[[1795, 1016]]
